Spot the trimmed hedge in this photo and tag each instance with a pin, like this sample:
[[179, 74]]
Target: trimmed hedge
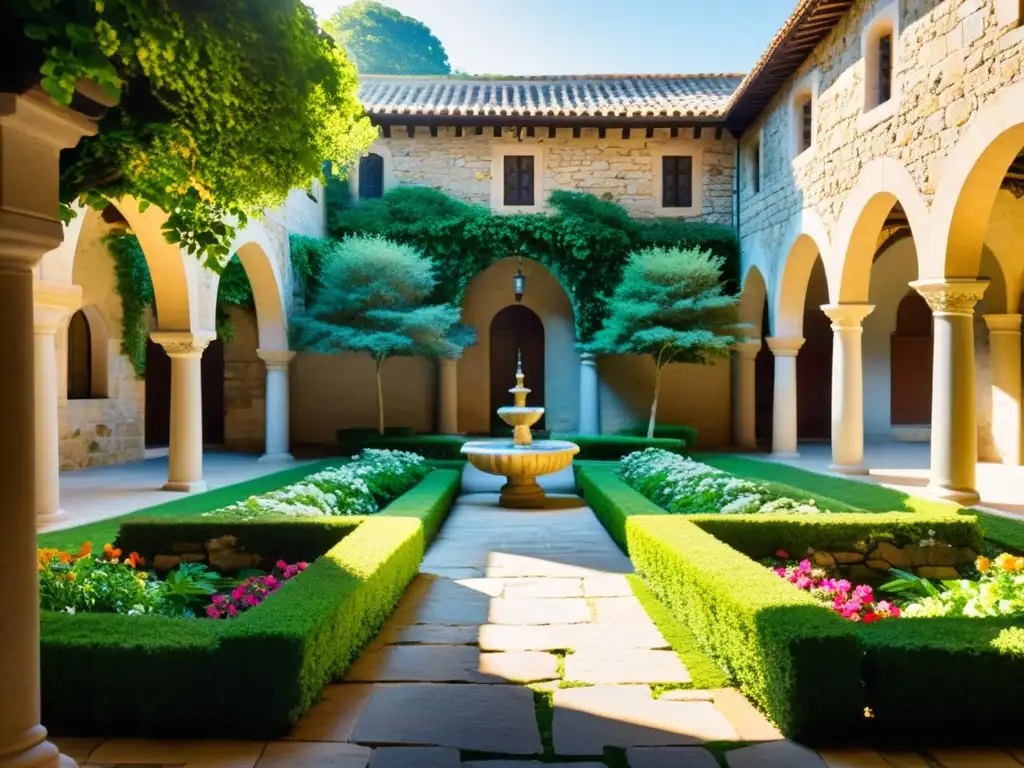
[[598, 447], [673, 432], [810, 670], [254, 675]]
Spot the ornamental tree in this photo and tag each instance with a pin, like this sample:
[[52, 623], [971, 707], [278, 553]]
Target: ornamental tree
[[372, 298], [670, 304], [217, 110], [383, 41]]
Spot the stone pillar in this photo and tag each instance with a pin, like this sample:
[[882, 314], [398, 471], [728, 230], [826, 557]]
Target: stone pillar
[[277, 404], [744, 411], [32, 133], [589, 395], [1004, 349], [784, 434], [185, 470], [954, 421], [847, 386], [53, 303], [447, 396]]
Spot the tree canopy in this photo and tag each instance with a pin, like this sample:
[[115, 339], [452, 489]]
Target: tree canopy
[[223, 109], [670, 304], [372, 298], [383, 41]]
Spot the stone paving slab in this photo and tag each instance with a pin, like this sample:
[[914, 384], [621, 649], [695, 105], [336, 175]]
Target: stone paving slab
[[578, 637], [431, 634], [526, 764], [78, 749], [749, 722], [619, 610], [540, 587], [905, 760], [606, 585], [485, 718], [854, 758], [521, 610], [589, 719], [670, 757], [777, 754], [290, 754], [451, 664], [333, 717], [625, 666], [415, 757], [222, 753], [973, 758]]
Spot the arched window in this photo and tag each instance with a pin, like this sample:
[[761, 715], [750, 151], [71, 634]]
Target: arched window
[[880, 49], [371, 176], [79, 358]]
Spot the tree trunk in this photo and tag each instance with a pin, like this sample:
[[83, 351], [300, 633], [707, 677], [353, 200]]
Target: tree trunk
[[654, 405], [380, 400]]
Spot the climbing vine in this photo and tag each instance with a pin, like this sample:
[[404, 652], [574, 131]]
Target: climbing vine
[[222, 108], [584, 241]]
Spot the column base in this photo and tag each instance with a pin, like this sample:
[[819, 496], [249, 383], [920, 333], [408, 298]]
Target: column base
[[848, 469], [275, 458], [196, 486], [963, 496], [785, 454], [43, 755], [45, 518]]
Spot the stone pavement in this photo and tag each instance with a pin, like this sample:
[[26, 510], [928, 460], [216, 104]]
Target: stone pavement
[[518, 620]]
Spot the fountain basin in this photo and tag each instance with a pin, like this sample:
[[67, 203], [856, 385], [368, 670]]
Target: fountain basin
[[520, 465]]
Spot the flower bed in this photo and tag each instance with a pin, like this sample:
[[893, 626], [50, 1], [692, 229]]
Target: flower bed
[[820, 676], [251, 676]]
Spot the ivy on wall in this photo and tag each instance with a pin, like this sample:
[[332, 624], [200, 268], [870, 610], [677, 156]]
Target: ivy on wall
[[584, 241], [133, 285]]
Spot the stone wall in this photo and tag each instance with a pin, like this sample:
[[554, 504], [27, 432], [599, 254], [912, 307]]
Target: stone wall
[[245, 383], [613, 168]]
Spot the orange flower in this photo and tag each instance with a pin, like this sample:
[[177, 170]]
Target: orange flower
[[86, 550], [71, 576], [133, 560], [1018, 564], [983, 564], [1006, 562], [110, 552], [64, 557]]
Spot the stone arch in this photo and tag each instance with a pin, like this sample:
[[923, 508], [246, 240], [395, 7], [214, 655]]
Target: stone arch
[[488, 293], [753, 296], [806, 241], [100, 337], [970, 182], [881, 184]]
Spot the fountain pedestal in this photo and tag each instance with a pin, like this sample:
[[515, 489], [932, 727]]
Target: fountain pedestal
[[520, 460]]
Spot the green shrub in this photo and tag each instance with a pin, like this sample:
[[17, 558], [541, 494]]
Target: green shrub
[[1005, 534], [796, 659], [254, 675], [614, 447], [687, 434], [612, 500], [427, 446], [944, 679]]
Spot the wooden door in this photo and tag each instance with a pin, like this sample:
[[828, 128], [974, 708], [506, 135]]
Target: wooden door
[[814, 378], [910, 366], [516, 328]]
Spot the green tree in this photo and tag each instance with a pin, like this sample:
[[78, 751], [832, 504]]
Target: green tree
[[670, 304], [219, 108], [382, 41], [372, 298]]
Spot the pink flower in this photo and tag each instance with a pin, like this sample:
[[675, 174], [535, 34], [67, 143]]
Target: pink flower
[[252, 600], [804, 583], [843, 585], [272, 582], [281, 565], [213, 612], [303, 566], [219, 599], [238, 592], [805, 566], [232, 611]]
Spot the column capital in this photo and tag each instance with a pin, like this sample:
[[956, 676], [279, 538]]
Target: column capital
[[747, 349], [53, 303], [1003, 324], [33, 131], [588, 358], [951, 296], [275, 359], [847, 316], [183, 343], [783, 346]]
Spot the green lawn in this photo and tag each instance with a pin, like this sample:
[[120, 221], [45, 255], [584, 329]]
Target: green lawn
[[104, 531]]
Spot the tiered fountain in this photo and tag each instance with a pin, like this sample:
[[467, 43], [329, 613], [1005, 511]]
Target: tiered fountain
[[522, 460]]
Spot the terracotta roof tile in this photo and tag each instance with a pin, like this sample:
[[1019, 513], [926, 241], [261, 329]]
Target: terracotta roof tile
[[625, 96]]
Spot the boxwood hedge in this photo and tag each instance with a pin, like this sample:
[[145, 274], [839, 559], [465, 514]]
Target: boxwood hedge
[[254, 675]]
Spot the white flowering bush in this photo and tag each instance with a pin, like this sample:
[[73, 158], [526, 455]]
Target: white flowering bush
[[683, 486], [362, 487]]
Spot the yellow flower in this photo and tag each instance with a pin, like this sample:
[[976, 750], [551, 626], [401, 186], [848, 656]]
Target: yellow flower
[[72, 576], [983, 564], [1006, 562], [1018, 564]]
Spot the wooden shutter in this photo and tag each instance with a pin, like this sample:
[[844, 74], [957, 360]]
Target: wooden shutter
[[79, 358], [884, 68], [677, 181], [371, 177], [518, 180]]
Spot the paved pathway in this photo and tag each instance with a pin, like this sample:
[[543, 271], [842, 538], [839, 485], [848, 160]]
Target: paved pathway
[[517, 615]]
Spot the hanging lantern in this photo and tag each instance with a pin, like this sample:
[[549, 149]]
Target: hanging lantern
[[519, 281]]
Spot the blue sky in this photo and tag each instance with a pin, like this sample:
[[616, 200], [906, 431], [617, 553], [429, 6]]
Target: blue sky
[[529, 37]]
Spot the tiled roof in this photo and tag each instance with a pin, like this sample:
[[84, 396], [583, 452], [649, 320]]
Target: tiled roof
[[568, 97]]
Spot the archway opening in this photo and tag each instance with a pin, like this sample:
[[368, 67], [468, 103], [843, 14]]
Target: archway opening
[[814, 362], [910, 367], [516, 330], [79, 357]]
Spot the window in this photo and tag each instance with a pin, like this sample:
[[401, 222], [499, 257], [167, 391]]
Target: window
[[885, 68], [755, 167], [805, 129], [677, 181], [79, 358], [519, 180], [371, 176]]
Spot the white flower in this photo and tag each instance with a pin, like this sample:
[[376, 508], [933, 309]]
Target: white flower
[[70, 609]]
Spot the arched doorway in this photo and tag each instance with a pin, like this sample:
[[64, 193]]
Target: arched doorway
[[910, 366], [516, 328]]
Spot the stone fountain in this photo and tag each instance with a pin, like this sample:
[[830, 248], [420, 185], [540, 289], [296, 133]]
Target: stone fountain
[[520, 460]]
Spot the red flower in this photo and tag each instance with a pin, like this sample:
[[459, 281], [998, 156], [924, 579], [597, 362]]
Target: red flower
[[782, 554]]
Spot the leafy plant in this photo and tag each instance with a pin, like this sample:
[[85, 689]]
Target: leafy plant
[[187, 588], [382, 41], [908, 585], [92, 583], [998, 591]]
